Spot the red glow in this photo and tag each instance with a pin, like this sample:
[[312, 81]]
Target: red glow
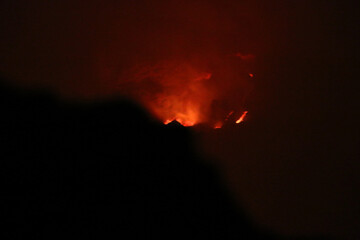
[[167, 122], [174, 90], [186, 123], [182, 122], [230, 113], [218, 125], [245, 56], [190, 92], [251, 75], [242, 117]]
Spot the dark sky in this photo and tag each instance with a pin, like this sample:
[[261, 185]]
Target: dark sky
[[298, 169], [84, 48]]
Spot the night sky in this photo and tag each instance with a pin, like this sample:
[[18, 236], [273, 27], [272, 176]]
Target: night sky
[[294, 163]]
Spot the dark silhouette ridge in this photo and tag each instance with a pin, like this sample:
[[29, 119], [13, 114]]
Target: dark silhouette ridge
[[105, 170]]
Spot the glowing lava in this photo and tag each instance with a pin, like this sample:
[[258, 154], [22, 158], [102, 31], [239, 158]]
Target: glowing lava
[[218, 125], [242, 117], [174, 91], [191, 92], [182, 122]]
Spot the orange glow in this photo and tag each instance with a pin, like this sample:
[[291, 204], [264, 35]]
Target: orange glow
[[185, 123], [175, 91], [191, 91], [241, 119], [218, 125], [251, 75], [167, 121], [227, 117]]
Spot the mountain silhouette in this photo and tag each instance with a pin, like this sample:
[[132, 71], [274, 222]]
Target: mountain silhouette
[[104, 169]]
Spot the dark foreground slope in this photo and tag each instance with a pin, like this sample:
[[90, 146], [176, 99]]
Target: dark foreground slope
[[101, 170]]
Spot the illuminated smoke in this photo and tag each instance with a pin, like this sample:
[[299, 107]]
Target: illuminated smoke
[[187, 92], [192, 68], [245, 56], [172, 91], [191, 62]]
